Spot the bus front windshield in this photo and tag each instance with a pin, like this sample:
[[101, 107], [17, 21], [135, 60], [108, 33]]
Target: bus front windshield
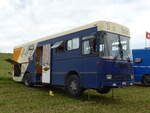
[[114, 46]]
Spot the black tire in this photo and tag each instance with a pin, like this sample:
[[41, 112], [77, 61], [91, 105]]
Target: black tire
[[146, 80], [104, 90], [72, 85], [27, 80]]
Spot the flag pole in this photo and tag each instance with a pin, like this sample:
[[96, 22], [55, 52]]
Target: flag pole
[[146, 40], [145, 43]]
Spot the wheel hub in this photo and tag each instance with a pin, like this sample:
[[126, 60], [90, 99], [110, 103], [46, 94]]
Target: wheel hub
[[26, 83], [73, 85]]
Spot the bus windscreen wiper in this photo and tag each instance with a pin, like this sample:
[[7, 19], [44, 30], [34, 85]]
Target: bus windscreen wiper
[[120, 49]]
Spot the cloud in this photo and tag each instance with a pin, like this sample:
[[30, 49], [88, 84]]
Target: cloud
[[26, 20]]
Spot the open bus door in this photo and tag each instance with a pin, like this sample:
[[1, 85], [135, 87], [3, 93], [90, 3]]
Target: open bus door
[[46, 64]]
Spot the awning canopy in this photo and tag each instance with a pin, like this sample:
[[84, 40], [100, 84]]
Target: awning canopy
[[57, 44], [11, 61]]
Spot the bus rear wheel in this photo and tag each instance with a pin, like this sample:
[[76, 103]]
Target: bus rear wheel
[[72, 85], [27, 80], [146, 80], [104, 90]]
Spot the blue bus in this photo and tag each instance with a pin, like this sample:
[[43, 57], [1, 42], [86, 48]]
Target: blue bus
[[141, 64], [94, 56]]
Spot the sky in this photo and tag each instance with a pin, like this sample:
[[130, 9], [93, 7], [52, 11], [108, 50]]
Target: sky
[[22, 21]]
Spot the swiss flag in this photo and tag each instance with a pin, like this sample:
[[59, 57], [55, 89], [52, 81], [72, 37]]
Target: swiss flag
[[147, 35]]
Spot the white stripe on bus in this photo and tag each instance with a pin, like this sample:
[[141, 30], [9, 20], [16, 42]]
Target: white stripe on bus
[[142, 66]]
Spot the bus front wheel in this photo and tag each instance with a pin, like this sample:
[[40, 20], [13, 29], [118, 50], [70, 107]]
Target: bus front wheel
[[72, 85], [146, 80]]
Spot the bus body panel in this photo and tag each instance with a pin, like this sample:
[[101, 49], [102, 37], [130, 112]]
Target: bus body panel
[[143, 67], [63, 63], [121, 72]]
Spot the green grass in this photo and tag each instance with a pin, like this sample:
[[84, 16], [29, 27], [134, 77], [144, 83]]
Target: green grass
[[5, 67], [17, 98]]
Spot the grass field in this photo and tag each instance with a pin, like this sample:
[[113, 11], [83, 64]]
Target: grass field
[[17, 98]]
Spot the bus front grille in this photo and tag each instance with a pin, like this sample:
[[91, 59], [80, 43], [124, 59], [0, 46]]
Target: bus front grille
[[121, 77]]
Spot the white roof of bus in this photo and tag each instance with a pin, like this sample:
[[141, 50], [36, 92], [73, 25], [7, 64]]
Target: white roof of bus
[[101, 26]]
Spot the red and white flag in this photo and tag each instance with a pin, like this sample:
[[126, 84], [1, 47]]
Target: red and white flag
[[147, 35]]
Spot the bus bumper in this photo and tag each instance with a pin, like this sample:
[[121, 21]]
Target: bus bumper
[[117, 83]]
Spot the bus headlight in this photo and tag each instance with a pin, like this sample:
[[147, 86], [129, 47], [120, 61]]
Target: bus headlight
[[108, 76], [132, 77]]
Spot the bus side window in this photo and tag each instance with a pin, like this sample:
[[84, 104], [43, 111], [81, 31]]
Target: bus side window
[[73, 44], [86, 47], [101, 49], [89, 46], [101, 46]]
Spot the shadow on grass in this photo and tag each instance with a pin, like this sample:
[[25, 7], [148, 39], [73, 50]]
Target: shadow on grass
[[5, 78], [89, 97], [140, 85]]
